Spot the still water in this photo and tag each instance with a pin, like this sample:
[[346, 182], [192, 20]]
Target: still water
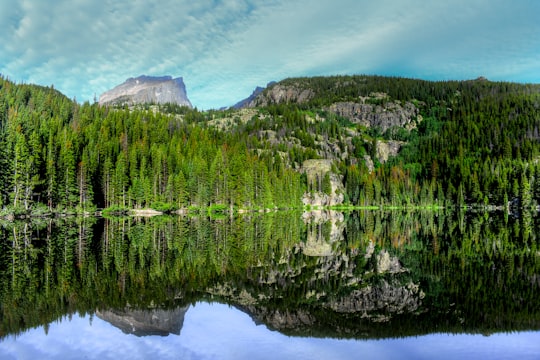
[[368, 285], [218, 331]]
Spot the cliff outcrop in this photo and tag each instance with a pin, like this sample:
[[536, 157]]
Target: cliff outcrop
[[279, 94], [384, 116], [325, 187]]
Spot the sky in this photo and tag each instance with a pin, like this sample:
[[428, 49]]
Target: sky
[[224, 49]]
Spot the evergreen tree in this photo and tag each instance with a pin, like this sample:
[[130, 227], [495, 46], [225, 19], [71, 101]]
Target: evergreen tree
[[327, 184], [68, 175], [525, 192]]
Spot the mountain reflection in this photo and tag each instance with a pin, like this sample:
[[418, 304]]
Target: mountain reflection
[[146, 322], [368, 274]]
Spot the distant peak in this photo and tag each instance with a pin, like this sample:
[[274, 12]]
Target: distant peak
[[248, 102], [148, 89], [147, 78]]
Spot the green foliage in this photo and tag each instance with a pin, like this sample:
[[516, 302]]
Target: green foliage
[[163, 207], [66, 155], [476, 144], [326, 184], [397, 133], [115, 210]]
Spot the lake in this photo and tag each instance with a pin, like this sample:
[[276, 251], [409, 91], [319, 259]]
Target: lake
[[319, 285]]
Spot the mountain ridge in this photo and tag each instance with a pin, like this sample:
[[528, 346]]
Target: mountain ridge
[[244, 103]]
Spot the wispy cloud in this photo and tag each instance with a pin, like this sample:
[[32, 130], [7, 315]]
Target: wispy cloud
[[223, 49]]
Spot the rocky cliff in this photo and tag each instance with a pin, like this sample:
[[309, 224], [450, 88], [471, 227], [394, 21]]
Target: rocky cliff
[[278, 93], [316, 170], [387, 149], [374, 110], [147, 89], [392, 113]]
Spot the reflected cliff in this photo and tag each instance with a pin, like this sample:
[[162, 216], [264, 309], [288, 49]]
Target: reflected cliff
[[367, 274], [146, 322]]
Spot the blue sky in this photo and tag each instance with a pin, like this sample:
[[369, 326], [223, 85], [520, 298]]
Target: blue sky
[[224, 49]]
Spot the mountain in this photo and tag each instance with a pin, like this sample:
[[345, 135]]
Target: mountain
[[148, 89], [360, 140], [247, 102]]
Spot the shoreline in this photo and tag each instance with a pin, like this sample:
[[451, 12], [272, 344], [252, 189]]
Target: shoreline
[[217, 211]]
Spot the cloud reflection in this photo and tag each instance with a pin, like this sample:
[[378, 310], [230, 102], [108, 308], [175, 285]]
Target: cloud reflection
[[217, 331]]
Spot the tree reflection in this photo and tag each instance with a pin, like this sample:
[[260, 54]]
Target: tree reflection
[[359, 274]]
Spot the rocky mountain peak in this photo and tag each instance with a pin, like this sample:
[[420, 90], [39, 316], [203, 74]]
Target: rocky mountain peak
[[147, 89]]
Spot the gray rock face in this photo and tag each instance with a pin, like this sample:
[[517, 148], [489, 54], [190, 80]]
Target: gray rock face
[[315, 170], [279, 94], [369, 301], [387, 149], [147, 89], [391, 114]]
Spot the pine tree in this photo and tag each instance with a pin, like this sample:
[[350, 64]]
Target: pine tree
[[84, 184], [5, 169], [525, 192], [180, 188], [327, 184], [219, 178], [23, 173], [120, 181], [68, 175], [460, 196], [536, 184]]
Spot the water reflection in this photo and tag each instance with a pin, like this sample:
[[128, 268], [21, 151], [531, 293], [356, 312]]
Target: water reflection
[[362, 275], [218, 331], [146, 322]]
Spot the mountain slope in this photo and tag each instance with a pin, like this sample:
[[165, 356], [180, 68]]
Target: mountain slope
[[470, 142], [362, 140]]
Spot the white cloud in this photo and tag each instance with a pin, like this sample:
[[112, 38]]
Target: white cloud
[[224, 49]]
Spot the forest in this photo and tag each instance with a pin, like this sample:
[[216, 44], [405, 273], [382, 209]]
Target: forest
[[462, 273], [477, 145]]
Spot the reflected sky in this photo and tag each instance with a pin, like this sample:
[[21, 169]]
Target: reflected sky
[[217, 331]]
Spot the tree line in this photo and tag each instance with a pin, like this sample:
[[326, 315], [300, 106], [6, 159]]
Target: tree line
[[59, 155], [478, 144]]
